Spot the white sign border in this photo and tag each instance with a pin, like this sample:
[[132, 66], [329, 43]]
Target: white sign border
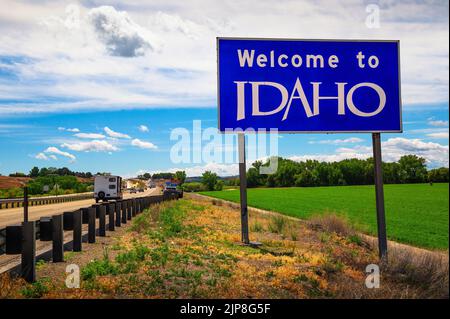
[[310, 40]]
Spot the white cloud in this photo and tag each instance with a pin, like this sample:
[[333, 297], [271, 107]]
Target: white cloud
[[439, 123], [113, 134], [96, 57], [90, 135], [119, 33], [441, 135], [330, 157], [55, 150], [143, 128], [338, 141], [392, 149], [434, 153], [142, 144], [73, 130], [41, 156], [91, 146]]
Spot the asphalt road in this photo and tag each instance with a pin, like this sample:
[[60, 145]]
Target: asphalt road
[[15, 215]]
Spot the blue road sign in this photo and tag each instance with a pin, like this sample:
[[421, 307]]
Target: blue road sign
[[303, 86]]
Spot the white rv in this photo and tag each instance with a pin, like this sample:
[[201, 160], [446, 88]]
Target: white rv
[[107, 187]]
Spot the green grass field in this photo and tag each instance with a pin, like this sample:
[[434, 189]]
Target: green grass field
[[416, 214]]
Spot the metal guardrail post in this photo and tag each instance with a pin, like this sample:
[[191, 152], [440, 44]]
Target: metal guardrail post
[[85, 215], [91, 225], [118, 213], [28, 263], [124, 212], [129, 209], [77, 230], [68, 220], [13, 238], [133, 207], [102, 220], [45, 228], [111, 215], [57, 238]]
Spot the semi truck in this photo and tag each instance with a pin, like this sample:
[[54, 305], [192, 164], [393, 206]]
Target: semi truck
[[107, 187]]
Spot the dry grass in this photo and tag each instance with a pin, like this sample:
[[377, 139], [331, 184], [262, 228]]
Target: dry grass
[[10, 287], [428, 270], [277, 224], [217, 202], [190, 249], [331, 223]]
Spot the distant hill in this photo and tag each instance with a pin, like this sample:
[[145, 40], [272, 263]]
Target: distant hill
[[199, 178], [9, 182], [86, 180]]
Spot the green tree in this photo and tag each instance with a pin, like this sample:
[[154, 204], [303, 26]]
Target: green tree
[[180, 176], [209, 179], [162, 175], [34, 172], [147, 175], [218, 186], [391, 173], [306, 178], [193, 187], [286, 171], [17, 174], [438, 175], [412, 169], [44, 171], [253, 177]]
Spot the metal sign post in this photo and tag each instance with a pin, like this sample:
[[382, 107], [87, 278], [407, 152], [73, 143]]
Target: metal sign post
[[243, 188], [265, 84], [379, 193]]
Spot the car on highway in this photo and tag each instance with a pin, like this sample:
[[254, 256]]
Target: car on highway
[[107, 187], [171, 190]]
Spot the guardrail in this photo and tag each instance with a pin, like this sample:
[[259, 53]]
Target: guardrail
[[44, 200], [21, 238]]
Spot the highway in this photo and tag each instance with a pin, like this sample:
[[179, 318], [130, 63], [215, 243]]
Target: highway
[[15, 215]]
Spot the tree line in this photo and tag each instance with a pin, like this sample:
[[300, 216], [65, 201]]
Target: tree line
[[47, 171], [180, 176], [408, 169]]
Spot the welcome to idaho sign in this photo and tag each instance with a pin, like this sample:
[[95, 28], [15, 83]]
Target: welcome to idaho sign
[[304, 86]]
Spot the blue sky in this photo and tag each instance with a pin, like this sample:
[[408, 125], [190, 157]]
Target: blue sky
[[154, 65]]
